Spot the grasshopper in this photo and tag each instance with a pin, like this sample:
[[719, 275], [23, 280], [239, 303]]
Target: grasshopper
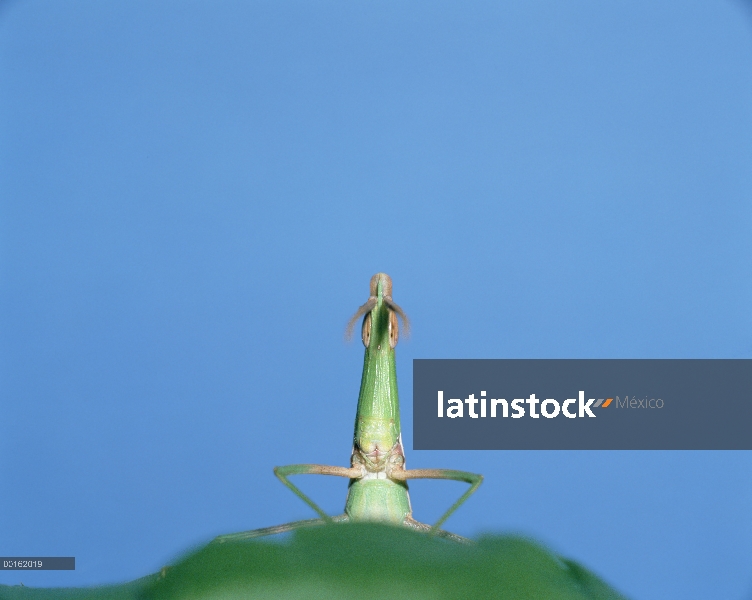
[[377, 473]]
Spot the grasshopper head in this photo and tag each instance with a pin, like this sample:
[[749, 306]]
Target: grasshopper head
[[380, 328], [381, 284], [377, 427]]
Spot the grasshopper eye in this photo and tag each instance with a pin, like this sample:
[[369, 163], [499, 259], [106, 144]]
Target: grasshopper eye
[[366, 331], [393, 329]]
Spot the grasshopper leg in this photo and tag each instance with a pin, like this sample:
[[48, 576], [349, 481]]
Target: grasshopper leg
[[447, 535], [471, 478], [256, 533], [284, 472]]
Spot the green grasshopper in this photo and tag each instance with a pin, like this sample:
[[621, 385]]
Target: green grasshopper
[[377, 473]]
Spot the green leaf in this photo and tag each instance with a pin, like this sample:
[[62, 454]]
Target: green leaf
[[361, 561]]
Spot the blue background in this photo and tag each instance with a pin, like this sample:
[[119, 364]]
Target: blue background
[[193, 197]]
